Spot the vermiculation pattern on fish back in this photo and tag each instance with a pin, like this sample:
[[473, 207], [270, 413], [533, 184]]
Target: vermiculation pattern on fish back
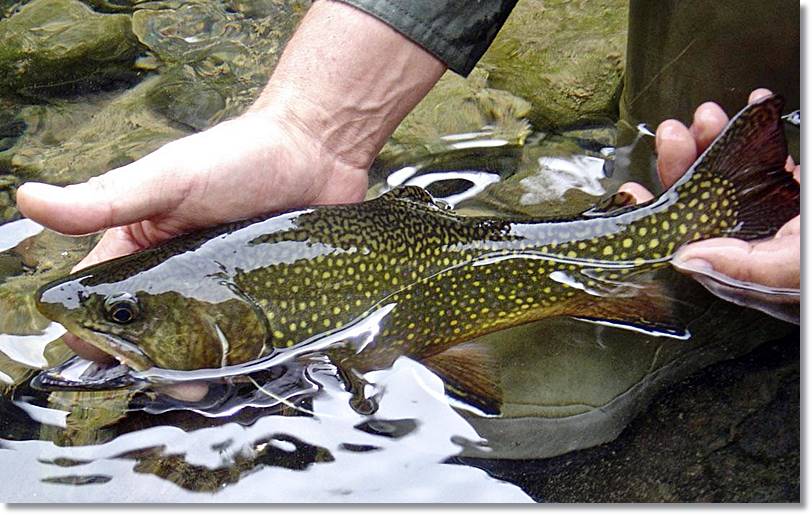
[[451, 277], [345, 259]]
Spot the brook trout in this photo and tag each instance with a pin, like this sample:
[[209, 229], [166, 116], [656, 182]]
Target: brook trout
[[431, 279]]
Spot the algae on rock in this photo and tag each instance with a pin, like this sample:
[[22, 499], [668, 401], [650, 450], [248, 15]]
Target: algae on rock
[[63, 45], [565, 56]]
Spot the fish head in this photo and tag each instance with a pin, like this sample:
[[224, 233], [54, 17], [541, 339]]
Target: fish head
[[154, 319]]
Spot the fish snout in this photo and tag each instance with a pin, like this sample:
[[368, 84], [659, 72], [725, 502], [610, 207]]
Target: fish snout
[[55, 300]]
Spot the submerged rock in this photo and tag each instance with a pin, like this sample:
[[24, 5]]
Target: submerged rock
[[63, 46], [211, 62], [457, 110], [586, 383], [214, 58], [8, 189], [565, 56], [35, 261], [68, 142]]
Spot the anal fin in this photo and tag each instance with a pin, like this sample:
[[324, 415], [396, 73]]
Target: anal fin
[[471, 375], [644, 308]]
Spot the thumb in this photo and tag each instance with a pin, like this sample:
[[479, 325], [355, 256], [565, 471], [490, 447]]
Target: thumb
[[774, 263], [125, 195]]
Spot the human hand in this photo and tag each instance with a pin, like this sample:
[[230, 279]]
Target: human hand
[[764, 274]]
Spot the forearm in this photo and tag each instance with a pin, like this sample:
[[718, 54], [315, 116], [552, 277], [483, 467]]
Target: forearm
[[348, 79]]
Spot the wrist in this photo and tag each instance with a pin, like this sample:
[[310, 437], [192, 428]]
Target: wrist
[[328, 130], [346, 80]]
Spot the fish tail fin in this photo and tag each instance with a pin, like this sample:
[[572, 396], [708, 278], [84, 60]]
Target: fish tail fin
[[739, 186]]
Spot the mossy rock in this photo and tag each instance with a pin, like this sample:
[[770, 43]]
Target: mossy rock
[[71, 142], [565, 56], [59, 46], [556, 176], [8, 189]]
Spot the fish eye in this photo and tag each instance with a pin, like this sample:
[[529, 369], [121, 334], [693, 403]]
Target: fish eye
[[121, 308]]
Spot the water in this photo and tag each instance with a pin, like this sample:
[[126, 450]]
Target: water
[[93, 447], [571, 389]]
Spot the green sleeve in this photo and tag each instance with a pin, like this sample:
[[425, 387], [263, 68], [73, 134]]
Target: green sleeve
[[456, 31]]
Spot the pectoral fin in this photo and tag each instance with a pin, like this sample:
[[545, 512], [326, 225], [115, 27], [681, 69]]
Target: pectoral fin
[[471, 375]]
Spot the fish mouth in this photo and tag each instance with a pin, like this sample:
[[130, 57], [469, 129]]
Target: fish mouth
[[124, 350], [77, 373], [80, 374]]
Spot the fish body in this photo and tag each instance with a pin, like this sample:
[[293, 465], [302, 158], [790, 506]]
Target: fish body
[[434, 279]]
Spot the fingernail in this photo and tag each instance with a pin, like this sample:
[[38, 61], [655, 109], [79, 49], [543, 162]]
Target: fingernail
[[693, 265]]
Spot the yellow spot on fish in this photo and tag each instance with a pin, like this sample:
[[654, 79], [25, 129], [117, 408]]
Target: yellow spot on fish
[[627, 243], [608, 250], [642, 231]]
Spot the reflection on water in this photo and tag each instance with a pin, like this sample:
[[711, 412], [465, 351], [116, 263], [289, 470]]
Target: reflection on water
[[333, 456]]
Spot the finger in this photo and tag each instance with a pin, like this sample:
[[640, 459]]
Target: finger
[[134, 192], [86, 350], [676, 151], [791, 167], [790, 228], [709, 120], [189, 392], [637, 191], [774, 263], [757, 94]]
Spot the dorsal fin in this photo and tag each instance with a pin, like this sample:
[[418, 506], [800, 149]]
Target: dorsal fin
[[613, 204], [409, 193]]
